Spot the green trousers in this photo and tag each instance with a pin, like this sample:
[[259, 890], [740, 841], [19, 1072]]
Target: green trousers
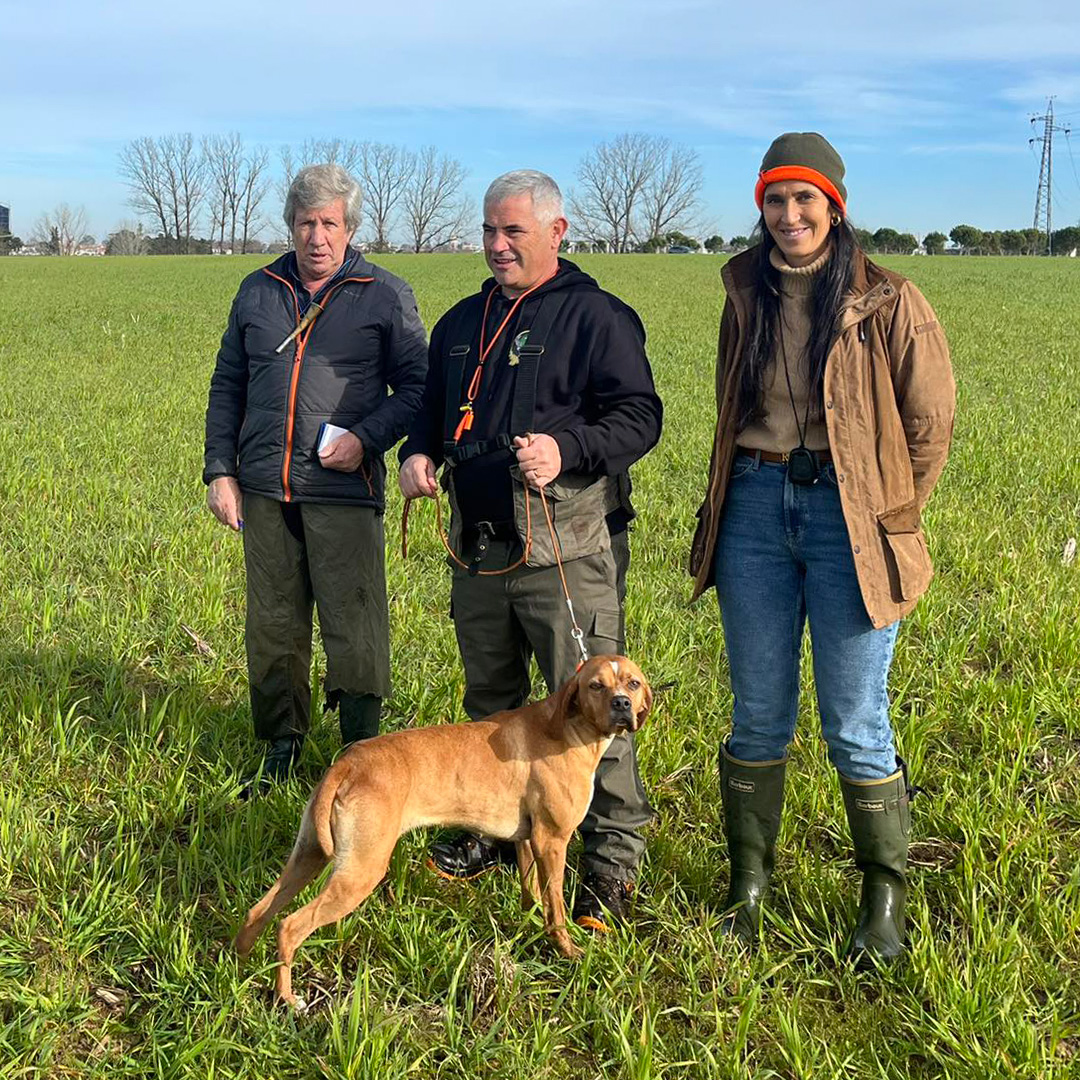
[[300, 555], [501, 623]]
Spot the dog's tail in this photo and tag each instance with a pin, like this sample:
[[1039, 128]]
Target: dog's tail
[[321, 809]]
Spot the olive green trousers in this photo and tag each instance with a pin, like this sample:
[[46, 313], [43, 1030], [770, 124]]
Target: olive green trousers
[[304, 555]]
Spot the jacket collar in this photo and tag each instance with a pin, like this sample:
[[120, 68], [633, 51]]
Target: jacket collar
[[871, 287]]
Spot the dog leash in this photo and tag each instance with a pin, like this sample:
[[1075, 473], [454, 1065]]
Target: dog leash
[[575, 630], [446, 539]]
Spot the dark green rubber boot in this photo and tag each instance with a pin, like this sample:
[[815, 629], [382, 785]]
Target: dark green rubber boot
[[277, 765], [879, 816], [753, 796], [358, 715]]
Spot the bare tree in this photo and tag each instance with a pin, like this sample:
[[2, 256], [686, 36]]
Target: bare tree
[[435, 211], [634, 188], [253, 186], [142, 168], [223, 156], [385, 171], [612, 176], [166, 177], [60, 230], [239, 185], [670, 195]]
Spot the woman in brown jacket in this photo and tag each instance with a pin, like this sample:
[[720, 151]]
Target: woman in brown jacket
[[835, 405]]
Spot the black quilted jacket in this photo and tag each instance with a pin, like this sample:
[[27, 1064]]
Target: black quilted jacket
[[265, 408]]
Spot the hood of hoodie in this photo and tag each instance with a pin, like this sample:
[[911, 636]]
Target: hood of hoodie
[[568, 275]]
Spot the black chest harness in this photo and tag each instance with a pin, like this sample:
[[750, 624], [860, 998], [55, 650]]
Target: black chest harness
[[523, 403]]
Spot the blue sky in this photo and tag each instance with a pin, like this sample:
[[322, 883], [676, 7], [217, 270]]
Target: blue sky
[[928, 103]]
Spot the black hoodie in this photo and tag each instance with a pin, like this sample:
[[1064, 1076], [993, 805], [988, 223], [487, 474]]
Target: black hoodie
[[594, 393]]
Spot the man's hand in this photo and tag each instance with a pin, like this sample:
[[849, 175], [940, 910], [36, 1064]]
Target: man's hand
[[226, 502], [416, 477], [344, 454], [539, 459]]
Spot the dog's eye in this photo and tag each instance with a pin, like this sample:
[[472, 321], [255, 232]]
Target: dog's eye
[[596, 684], [634, 684]]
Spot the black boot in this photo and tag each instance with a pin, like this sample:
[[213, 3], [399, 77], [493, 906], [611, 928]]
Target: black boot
[[753, 796], [277, 765], [879, 816], [358, 715], [466, 856], [602, 901]]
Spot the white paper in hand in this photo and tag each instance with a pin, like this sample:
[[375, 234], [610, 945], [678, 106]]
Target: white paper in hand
[[327, 434]]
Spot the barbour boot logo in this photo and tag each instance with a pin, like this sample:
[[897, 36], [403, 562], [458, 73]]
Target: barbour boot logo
[[871, 806], [516, 346], [745, 786]]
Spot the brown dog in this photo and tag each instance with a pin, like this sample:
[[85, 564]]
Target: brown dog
[[524, 775]]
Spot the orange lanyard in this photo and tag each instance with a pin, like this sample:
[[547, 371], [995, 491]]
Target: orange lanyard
[[466, 421]]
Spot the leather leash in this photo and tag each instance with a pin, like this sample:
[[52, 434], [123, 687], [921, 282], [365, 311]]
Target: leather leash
[[575, 630]]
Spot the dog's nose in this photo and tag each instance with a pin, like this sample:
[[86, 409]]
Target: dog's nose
[[620, 703]]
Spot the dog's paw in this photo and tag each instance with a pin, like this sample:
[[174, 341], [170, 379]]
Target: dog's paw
[[566, 947]]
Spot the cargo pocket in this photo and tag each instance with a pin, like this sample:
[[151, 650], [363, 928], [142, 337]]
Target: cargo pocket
[[606, 632], [906, 557]]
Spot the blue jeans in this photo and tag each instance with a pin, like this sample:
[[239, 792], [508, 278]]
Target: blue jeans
[[783, 556]]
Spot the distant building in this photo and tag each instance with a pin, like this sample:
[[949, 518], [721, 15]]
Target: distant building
[[5, 220]]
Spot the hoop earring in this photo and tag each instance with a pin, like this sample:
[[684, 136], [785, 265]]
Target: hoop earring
[[835, 219]]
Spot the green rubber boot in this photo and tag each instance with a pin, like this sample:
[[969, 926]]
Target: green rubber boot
[[358, 715], [879, 816], [753, 796]]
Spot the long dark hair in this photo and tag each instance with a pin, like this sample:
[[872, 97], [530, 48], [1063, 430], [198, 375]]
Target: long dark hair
[[831, 285]]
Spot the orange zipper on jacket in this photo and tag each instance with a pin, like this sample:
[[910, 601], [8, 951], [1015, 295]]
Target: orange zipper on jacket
[[298, 360]]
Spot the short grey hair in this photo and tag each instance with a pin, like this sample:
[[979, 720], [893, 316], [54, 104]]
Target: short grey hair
[[315, 186], [547, 199]]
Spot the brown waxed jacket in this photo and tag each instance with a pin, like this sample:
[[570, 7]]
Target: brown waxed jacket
[[889, 405]]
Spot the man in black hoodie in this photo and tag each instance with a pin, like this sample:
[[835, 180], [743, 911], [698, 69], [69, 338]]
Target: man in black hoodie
[[540, 381]]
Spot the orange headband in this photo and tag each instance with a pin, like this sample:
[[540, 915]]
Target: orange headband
[[797, 172]]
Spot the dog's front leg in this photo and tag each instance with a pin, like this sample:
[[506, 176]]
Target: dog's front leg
[[549, 850], [530, 895]]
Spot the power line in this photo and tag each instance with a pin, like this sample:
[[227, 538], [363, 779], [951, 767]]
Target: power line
[[1068, 143], [1044, 192]]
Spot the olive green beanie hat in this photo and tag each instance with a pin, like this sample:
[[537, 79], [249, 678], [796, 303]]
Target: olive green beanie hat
[[803, 155]]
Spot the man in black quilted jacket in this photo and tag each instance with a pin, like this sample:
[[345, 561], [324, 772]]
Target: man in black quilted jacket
[[320, 337]]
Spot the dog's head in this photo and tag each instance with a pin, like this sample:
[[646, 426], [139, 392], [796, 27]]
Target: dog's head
[[611, 693]]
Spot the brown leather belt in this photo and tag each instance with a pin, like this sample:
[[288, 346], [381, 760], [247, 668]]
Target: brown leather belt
[[824, 457]]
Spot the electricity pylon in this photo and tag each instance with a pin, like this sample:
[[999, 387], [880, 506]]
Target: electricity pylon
[[1043, 195]]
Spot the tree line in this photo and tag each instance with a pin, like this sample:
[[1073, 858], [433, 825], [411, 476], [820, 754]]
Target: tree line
[[195, 195], [634, 193]]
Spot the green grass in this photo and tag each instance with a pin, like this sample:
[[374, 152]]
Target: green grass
[[126, 864]]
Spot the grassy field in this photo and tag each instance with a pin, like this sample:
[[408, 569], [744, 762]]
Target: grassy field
[[126, 862]]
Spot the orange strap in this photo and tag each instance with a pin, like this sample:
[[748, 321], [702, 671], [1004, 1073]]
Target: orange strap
[[466, 421]]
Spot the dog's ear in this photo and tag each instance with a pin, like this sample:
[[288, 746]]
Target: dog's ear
[[646, 706], [566, 700]]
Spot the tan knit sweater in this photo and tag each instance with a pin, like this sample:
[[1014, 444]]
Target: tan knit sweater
[[777, 430]]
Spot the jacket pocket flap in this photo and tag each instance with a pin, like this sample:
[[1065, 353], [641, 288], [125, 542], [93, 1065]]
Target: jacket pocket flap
[[901, 519]]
